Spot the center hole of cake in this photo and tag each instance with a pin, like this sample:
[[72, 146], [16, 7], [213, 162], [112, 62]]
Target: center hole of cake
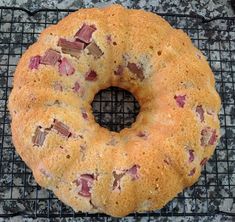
[[115, 108]]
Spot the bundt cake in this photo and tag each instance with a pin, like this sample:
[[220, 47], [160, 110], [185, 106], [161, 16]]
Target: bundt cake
[[87, 166]]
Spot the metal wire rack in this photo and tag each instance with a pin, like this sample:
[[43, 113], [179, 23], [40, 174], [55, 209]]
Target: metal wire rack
[[114, 108]]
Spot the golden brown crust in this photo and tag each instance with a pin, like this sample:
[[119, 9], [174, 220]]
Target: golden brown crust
[[152, 161]]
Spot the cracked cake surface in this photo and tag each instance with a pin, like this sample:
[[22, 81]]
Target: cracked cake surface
[[88, 167]]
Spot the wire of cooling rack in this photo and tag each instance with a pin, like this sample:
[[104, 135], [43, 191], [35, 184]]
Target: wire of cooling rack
[[115, 109]]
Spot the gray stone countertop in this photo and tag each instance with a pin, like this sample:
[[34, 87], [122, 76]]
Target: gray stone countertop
[[206, 8]]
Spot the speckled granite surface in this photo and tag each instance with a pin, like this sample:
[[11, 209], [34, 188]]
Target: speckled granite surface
[[216, 187], [208, 8]]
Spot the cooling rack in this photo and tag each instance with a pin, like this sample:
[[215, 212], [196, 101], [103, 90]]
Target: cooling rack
[[114, 108]]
